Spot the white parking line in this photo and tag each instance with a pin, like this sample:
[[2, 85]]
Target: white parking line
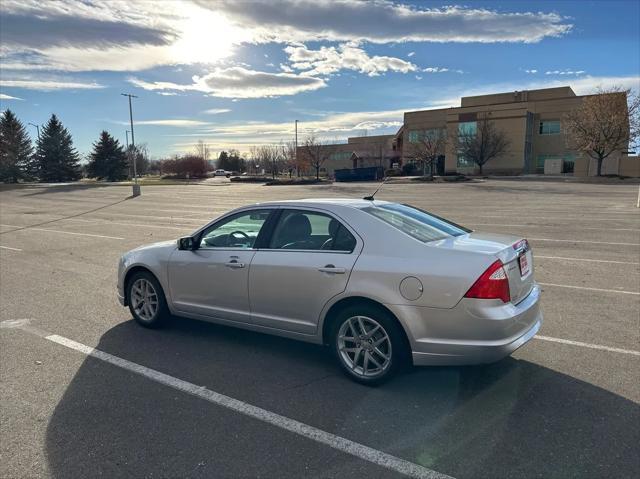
[[584, 259], [588, 345], [553, 226], [108, 222], [590, 289], [582, 241], [25, 228], [10, 249], [342, 444]]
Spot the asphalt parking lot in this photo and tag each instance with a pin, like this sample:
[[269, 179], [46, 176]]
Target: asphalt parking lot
[[564, 405]]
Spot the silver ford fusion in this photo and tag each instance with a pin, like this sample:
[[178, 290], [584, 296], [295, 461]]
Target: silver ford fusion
[[383, 284]]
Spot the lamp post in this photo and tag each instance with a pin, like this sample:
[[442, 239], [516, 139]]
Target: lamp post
[[297, 164], [136, 186], [37, 128]]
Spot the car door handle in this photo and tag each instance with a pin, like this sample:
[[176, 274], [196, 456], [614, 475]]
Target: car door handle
[[234, 265], [332, 269]]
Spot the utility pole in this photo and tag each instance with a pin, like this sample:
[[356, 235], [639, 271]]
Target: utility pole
[[37, 128], [136, 186], [126, 132], [297, 164]]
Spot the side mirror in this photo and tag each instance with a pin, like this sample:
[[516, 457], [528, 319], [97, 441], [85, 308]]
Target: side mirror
[[187, 244]]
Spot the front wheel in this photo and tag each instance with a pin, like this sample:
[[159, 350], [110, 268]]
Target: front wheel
[[147, 303], [368, 344]]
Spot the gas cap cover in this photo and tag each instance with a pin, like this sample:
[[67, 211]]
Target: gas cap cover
[[411, 288]]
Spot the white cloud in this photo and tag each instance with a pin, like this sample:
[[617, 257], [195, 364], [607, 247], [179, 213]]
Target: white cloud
[[565, 72], [49, 85], [410, 54], [167, 93], [533, 71], [9, 97], [179, 123], [333, 126], [216, 111], [384, 21], [435, 70], [77, 35], [328, 60], [238, 82]]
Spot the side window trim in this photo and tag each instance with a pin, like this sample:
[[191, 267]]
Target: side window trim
[[230, 217], [276, 218]]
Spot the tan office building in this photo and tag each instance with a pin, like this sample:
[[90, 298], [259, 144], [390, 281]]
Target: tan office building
[[358, 152], [531, 120]]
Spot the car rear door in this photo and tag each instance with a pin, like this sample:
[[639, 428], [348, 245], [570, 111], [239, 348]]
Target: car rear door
[[308, 260]]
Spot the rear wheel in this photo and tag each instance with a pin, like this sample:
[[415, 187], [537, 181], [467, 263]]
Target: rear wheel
[[368, 344], [147, 303]]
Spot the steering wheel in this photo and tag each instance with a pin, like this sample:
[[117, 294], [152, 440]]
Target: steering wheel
[[241, 233], [244, 235], [328, 244]]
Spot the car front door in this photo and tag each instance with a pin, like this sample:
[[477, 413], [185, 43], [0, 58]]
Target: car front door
[[308, 261], [212, 280]]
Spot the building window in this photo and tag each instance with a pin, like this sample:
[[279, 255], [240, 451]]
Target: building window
[[464, 162], [468, 128], [550, 127], [414, 136], [340, 155]]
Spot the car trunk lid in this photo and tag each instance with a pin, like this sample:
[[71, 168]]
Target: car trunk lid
[[514, 252]]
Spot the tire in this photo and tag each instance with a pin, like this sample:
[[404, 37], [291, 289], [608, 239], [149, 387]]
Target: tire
[[383, 346], [146, 300]]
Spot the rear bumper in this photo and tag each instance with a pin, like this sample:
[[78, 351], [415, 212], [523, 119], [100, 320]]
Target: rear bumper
[[473, 332]]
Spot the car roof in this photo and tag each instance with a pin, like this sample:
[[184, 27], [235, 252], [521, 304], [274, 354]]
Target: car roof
[[324, 202]]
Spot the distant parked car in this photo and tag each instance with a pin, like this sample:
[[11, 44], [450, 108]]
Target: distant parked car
[[381, 283], [221, 173]]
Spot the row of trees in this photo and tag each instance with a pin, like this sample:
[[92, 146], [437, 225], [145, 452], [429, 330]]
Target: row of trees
[[53, 159]]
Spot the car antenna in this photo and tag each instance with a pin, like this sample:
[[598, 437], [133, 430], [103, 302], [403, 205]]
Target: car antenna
[[371, 198]]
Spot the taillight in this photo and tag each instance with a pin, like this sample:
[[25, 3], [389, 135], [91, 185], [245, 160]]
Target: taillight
[[492, 284]]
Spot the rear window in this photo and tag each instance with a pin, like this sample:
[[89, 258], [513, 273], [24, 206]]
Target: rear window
[[419, 224]]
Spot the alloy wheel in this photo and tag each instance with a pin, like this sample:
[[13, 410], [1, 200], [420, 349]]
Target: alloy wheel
[[144, 299], [364, 346]]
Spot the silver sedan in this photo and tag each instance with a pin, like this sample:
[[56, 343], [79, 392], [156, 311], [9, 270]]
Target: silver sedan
[[382, 284]]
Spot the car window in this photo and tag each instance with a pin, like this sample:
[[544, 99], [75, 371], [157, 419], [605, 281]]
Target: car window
[[238, 231], [310, 230], [415, 222]]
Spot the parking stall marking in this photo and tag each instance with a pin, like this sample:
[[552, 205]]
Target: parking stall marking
[[583, 241], [9, 248], [590, 289], [23, 228], [587, 345], [554, 226], [585, 259], [339, 443]]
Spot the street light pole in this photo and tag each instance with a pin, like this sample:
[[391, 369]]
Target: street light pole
[[126, 132], [297, 164], [37, 128], [136, 186]]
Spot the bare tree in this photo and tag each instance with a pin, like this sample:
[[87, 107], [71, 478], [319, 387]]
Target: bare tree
[[484, 144], [315, 153], [202, 150], [430, 145], [604, 123], [289, 153]]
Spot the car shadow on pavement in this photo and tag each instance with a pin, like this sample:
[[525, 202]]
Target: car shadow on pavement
[[513, 418]]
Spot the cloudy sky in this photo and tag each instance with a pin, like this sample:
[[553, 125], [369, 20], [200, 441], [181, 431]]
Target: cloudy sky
[[236, 73]]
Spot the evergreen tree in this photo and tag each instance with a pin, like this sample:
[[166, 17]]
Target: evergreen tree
[[15, 149], [56, 158], [108, 160]]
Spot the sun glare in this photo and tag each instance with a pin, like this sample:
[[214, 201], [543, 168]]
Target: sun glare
[[205, 37]]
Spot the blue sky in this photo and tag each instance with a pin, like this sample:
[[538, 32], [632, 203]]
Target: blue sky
[[237, 74]]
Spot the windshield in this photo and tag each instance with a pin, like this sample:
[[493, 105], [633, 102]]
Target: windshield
[[417, 223]]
